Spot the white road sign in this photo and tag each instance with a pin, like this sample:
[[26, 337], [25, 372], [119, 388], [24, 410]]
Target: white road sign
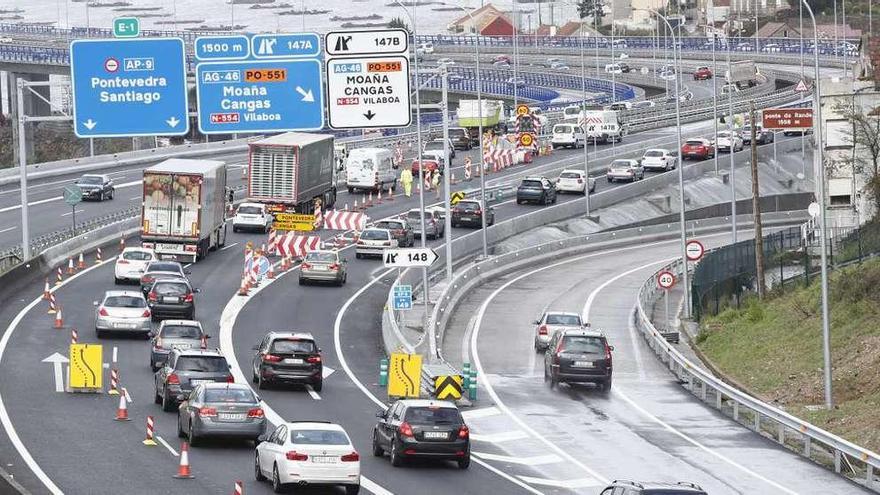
[[402, 258], [666, 280], [367, 42], [694, 250]]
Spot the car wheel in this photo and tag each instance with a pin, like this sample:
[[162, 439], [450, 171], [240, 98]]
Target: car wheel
[[277, 487], [111, 193], [262, 384], [191, 436], [396, 456], [553, 380], [465, 462], [156, 397], [101, 197], [352, 489], [302, 281], [318, 385], [606, 385], [537, 347], [518, 201], [553, 201], [350, 190], [167, 402], [258, 472], [357, 255], [99, 333], [117, 281], [180, 433], [610, 180]]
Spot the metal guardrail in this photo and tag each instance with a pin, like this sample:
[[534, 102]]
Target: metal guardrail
[[816, 444]]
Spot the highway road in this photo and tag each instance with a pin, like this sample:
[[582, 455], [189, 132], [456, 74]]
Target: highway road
[[648, 428]]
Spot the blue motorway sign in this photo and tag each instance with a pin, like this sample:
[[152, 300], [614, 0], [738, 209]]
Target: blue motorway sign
[[292, 45], [129, 87], [402, 297], [259, 96], [236, 47]]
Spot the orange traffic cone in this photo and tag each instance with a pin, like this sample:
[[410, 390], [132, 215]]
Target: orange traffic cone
[[70, 269], [121, 243], [82, 262], [370, 200], [390, 193], [59, 320], [379, 197], [183, 471], [285, 264], [271, 273], [243, 290], [122, 410], [47, 294], [452, 178], [355, 205], [346, 207]]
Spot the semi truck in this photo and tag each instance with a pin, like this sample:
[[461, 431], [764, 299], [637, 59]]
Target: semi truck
[[183, 212], [743, 74], [291, 171], [603, 126], [470, 115]]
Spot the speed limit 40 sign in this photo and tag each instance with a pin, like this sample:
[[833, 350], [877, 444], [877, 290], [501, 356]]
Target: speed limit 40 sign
[[666, 280]]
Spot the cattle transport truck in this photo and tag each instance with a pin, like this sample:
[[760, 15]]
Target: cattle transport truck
[[184, 208], [290, 171]]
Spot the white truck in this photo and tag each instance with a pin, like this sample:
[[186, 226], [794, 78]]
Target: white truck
[[603, 126], [743, 74], [471, 115], [183, 212]]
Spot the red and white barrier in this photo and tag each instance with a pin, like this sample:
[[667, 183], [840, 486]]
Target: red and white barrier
[[150, 436], [273, 241], [319, 219], [345, 220], [298, 245], [114, 382]]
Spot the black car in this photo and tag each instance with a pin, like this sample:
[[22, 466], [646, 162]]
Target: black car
[[425, 429], [652, 488], [172, 298], [156, 270], [183, 370], [625, 68], [94, 186], [797, 132], [536, 189], [470, 213], [461, 139], [400, 229], [762, 136], [578, 356], [288, 357]]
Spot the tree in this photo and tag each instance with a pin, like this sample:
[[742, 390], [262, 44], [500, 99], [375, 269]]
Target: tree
[[398, 23], [591, 8], [864, 136]]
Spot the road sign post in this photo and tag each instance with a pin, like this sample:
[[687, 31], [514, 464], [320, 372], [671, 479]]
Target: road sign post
[[666, 281], [405, 375], [409, 257], [129, 87], [72, 196], [402, 297], [694, 250]]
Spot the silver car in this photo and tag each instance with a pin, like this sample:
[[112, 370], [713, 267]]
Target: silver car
[[175, 334], [550, 322], [374, 242], [122, 310], [323, 266], [434, 226], [220, 410], [625, 169]]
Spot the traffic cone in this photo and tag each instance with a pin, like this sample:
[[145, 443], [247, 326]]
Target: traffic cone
[[47, 294], [114, 382], [452, 178], [271, 273], [355, 205], [121, 244], [370, 199], [183, 471], [390, 193], [122, 410], [82, 262], [74, 337], [243, 290], [285, 264], [98, 259], [70, 269], [59, 321], [238, 489], [58, 276], [379, 197], [149, 441], [52, 308], [346, 207]]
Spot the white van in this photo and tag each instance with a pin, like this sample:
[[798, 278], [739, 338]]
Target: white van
[[613, 69], [572, 113], [369, 168], [568, 135]]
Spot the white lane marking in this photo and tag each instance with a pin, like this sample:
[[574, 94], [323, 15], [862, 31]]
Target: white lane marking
[[637, 352], [373, 487], [483, 412], [127, 395], [71, 213], [617, 391], [59, 198], [315, 395], [135, 198], [115, 351], [4, 414], [536, 460], [8, 229], [229, 246], [507, 436], [570, 484], [187, 265], [170, 449]]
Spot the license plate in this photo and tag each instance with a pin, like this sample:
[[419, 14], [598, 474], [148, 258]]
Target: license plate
[[467, 217], [434, 435], [583, 364], [320, 268], [231, 416], [181, 346], [197, 382], [323, 459], [124, 325], [169, 299], [170, 247], [293, 361]]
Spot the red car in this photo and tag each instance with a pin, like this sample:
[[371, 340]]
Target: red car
[[430, 166], [702, 73], [697, 149]]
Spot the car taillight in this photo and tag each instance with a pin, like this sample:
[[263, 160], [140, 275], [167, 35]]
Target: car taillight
[[296, 456], [352, 457], [271, 358], [607, 352], [360, 242], [230, 379], [158, 343], [256, 412], [188, 298], [152, 296], [334, 266], [173, 379], [103, 312], [204, 340], [145, 314], [207, 412], [313, 359], [305, 266], [580, 181], [386, 243], [463, 432], [542, 330], [146, 279], [405, 429], [478, 212]]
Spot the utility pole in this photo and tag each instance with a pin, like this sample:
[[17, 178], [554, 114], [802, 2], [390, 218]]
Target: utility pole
[[756, 206]]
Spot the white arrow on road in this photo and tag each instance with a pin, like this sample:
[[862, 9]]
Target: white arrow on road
[[306, 95], [173, 121], [326, 371], [57, 360], [90, 124]]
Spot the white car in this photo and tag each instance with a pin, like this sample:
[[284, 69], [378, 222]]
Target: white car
[[131, 262], [374, 242], [568, 135], [728, 140], [572, 180], [445, 61], [550, 322], [517, 81], [308, 453], [252, 216], [659, 159], [643, 104]]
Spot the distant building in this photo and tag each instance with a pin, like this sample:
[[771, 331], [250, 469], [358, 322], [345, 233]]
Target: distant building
[[791, 29], [488, 20]]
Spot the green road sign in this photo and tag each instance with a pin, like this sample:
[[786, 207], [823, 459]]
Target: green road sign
[[72, 195], [126, 27]]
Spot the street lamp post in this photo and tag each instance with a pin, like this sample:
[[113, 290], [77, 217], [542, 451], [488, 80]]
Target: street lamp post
[[731, 140], [584, 108], [714, 90]]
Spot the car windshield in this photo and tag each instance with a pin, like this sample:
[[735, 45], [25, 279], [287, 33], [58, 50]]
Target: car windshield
[[164, 267], [468, 205], [580, 343], [531, 183], [91, 179], [432, 415], [620, 164], [416, 216], [181, 332], [201, 363], [570, 320], [724, 134], [319, 437], [434, 145], [321, 257], [366, 164], [125, 302], [570, 175], [374, 235], [694, 143], [292, 345], [137, 256], [563, 129], [230, 395], [653, 154], [387, 224], [170, 288], [250, 210], [457, 132]]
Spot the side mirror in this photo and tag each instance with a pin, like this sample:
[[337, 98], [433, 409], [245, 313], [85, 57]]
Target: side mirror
[[536, 322], [207, 336], [380, 414], [94, 303], [611, 347], [197, 290], [262, 438]]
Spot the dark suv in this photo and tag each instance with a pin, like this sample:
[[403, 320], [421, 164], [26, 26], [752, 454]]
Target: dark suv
[[536, 189], [400, 229], [160, 269], [183, 370], [426, 429], [461, 139], [624, 487], [578, 356], [288, 357], [470, 212], [172, 298]]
